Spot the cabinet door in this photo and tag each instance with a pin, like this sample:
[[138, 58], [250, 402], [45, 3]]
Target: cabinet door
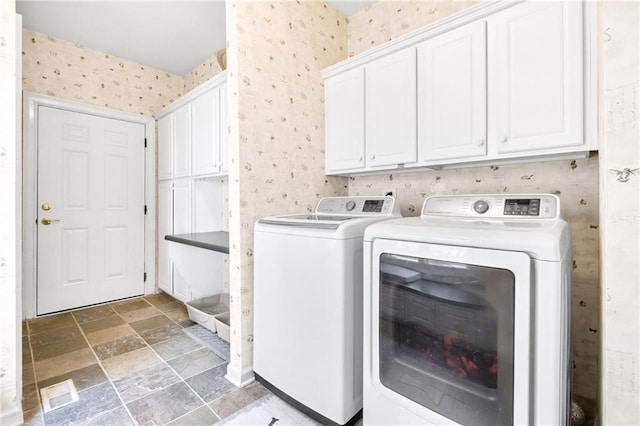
[[391, 109], [537, 67], [165, 147], [182, 141], [182, 190], [224, 130], [344, 121], [165, 227], [452, 94], [182, 206], [205, 137]]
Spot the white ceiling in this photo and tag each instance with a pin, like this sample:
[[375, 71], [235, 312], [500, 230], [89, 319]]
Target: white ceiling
[[174, 36]]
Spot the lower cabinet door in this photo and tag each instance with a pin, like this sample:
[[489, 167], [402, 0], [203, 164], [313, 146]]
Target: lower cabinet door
[[165, 227]]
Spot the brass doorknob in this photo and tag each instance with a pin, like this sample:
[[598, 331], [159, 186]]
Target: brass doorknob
[[47, 221]]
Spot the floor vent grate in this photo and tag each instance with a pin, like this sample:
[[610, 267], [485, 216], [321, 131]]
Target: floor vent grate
[[58, 395]]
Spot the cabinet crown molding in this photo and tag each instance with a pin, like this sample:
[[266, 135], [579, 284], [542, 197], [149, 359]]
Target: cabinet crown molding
[[208, 85], [466, 16]]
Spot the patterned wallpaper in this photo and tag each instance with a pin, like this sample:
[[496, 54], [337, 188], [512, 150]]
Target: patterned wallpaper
[[66, 70], [576, 183], [620, 214], [389, 19], [10, 308], [203, 72], [275, 51]]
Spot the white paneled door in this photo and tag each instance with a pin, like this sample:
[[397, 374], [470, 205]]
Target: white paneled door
[[90, 209]]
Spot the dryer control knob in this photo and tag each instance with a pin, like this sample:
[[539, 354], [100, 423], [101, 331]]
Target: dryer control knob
[[350, 205], [481, 206]]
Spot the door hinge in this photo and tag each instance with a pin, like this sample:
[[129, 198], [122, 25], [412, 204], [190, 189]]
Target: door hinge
[[145, 209], [145, 277], [145, 142]]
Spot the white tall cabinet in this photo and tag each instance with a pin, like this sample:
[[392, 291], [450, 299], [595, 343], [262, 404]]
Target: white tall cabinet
[[165, 227], [192, 162]]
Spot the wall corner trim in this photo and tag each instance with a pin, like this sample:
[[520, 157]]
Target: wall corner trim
[[239, 378]]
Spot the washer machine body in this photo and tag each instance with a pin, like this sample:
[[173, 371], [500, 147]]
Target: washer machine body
[[308, 304]]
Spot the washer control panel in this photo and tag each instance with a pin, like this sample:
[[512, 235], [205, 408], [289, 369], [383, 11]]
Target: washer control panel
[[521, 206], [357, 206]]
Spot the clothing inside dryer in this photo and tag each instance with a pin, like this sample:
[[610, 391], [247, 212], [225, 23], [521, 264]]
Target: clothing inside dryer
[[446, 337]]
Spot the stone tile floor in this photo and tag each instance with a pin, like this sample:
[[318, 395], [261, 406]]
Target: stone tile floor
[[131, 364]]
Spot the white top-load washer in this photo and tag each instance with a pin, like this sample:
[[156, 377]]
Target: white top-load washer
[[308, 304], [467, 313]]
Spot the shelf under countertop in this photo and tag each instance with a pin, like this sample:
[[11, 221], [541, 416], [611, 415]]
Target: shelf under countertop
[[215, 241]]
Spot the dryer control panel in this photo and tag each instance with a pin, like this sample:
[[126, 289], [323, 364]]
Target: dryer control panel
[[357, 206], [496, 206]]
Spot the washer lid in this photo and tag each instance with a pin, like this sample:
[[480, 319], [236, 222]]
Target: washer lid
[[307, 221], [332, 212]]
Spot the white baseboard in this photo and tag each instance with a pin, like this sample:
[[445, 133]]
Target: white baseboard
[[11, 417], [239, 378]]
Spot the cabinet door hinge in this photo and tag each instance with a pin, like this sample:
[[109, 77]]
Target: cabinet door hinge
[[145, 209], [145, 277], [145, 142]]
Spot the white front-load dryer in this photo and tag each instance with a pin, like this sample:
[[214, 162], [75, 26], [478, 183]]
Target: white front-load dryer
[[467, 314], [308, 305]]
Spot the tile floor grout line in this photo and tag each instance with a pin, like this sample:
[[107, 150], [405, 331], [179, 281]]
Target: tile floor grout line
[[35, 378], [181, 379], [184, 380], [146, 345], [186, 384], [102, 367]]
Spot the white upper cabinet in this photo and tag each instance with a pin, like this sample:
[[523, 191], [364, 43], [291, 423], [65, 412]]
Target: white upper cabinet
[[452, 94], [536, 66], [182, 142], [192, 133], [344, 121], [206, 133], [390, 109], [370, 119], [499, 82]]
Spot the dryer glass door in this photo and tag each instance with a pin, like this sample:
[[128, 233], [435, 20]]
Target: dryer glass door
[[447, 331]]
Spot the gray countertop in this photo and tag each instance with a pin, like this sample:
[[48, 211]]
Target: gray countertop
[[216, 241]]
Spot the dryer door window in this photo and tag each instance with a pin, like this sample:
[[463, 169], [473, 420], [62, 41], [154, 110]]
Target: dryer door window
[[446, 337]]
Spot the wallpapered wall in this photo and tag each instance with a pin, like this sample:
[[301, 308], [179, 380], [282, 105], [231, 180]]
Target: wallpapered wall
[[203, 72], [620, 214], [275, 52], [389, 19], [10, 154], [66, 70], [576, 183]]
